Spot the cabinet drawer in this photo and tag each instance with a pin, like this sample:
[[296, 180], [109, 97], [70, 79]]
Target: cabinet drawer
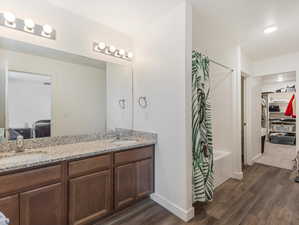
[[19, 181], [133, 155], [89, 165]]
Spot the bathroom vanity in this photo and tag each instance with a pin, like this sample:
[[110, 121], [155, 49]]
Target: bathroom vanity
[[69, 154], [79, 189]]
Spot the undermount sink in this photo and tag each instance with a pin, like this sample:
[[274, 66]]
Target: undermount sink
[[21, 156], [125, 142]]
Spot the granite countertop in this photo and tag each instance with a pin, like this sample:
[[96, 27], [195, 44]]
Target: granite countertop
[[10, 161]]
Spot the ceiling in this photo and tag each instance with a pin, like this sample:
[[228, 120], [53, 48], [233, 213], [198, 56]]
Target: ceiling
[[243, 20], [126, 16]]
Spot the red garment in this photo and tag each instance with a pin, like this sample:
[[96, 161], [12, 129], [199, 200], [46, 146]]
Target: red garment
[[290, 111]]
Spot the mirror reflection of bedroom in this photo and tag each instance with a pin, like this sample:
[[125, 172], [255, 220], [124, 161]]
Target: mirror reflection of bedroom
[[278, 120], [29, 105]]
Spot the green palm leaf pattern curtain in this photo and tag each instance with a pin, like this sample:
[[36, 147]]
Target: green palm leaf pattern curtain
[[202, 145]]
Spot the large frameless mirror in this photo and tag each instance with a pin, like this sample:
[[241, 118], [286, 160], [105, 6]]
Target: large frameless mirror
[[49, 97]]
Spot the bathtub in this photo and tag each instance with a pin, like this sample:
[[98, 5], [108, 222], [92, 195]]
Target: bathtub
[[222, 166]]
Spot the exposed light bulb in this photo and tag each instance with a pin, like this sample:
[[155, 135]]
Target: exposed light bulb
[[97, 48], [47, 30], [271, 29], [29, 25], [10, 19], [102, 45], [122, 52], [112, 49], [130, 55]]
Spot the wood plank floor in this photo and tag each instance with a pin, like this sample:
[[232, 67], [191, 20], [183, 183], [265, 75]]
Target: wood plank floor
[[266, 196]]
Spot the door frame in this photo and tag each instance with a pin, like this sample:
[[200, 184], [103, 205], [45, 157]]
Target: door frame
[[246, 137]]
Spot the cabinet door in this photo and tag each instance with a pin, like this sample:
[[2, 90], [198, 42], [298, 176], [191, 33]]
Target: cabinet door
[[125, 185], [145, 181], [90, 197], [43, 206], [9, 206]]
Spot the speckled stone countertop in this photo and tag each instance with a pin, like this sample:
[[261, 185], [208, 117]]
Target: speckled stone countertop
[[10, 161]]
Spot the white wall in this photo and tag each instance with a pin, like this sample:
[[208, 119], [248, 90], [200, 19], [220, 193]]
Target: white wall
[[79, 92], [75, 34], [253, 86], [119, 86], [246, 64], [225, 91], [2, 94], [162, 73], [281, 64], [29, 100]]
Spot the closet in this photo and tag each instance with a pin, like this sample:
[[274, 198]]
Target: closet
[[280, 126]]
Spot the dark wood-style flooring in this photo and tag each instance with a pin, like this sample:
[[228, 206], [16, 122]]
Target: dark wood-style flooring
[[266, 196]]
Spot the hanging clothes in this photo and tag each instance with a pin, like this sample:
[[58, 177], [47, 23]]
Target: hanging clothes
[[202, 146], [291, 108]]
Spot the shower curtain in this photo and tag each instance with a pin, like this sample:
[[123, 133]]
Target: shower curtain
[[203, 170]]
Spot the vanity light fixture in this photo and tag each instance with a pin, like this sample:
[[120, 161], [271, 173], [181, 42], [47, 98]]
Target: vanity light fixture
[[102, 45], [130, 55], [29, 25], [47, 30], [111, 50], [9, 20], [122, 53]]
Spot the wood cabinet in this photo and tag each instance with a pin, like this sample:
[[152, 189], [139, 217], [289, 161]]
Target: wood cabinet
[[133, 177], [90, 197], [18, 182], [10, 207], [42, 206], [125, 185], [89, 165], [145, 180], [77, 192]]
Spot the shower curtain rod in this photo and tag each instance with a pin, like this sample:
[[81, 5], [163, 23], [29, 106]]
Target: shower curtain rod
[[224, 66], [219, 64]]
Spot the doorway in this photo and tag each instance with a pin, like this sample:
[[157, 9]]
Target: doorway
[[243, 123], [244, 119], [276, 119]]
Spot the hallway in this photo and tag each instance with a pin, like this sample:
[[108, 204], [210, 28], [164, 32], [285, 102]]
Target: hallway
[[260, 199]]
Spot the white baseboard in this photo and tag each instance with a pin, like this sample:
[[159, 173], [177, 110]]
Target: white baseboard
[[237, 175], [185, 215], [256, 157]]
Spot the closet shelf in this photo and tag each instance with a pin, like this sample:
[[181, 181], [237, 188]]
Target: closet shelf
[[279, 102], [276, 112], [285, 132]]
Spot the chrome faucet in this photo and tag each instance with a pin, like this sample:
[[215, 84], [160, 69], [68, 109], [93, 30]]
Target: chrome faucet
[[20, 144], [117, 136]]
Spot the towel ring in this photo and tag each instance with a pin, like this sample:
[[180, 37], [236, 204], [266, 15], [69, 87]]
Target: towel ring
[[142, 101], [122, 103]]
